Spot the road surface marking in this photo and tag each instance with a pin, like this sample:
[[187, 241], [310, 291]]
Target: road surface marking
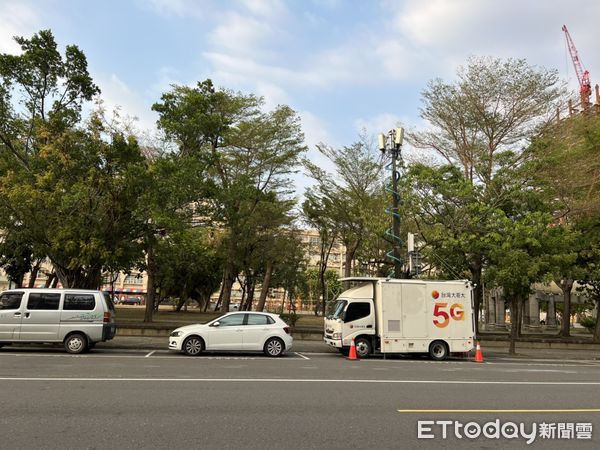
[[497, 410], [177, 357], [302, 356], [311, 380], [150, 354]]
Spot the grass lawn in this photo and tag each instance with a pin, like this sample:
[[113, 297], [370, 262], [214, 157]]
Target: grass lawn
[[167, 315]]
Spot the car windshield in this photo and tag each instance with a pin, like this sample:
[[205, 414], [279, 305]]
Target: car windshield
[[337, 309]]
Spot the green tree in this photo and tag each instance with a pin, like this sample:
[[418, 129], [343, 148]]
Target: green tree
[[351, 193], [249, 155], [480, 123], [563, 162], [188, 265]]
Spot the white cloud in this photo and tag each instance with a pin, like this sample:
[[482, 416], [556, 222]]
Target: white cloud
[[272, 9], [241, 34], [16, 19], [315, 130], [179, 8], [117, 95], [381, 123]]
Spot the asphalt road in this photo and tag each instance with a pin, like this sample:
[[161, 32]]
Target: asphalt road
[[155, 399]]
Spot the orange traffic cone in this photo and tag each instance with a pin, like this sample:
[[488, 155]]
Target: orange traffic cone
[[478, 354], [352, 355]]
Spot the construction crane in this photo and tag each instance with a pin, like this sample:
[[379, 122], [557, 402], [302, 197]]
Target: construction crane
[[583, 76]]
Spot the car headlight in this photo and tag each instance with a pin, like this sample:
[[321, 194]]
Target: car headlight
[[336, 336], [176, 333]]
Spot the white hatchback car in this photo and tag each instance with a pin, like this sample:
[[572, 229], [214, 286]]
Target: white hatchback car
[[235, 331]]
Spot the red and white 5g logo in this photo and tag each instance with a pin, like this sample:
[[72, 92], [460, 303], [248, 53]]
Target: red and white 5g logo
[[442, 318]]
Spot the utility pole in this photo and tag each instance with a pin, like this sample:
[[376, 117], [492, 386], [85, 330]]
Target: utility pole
[[391, 144]]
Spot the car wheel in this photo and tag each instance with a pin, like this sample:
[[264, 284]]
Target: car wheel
[[193, 346], [76, 343], [363, 347], [438, 350], [274, 347]]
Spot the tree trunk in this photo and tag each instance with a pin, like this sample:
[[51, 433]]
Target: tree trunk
[[80, 278], [34, 274], [597, 328], [229, 278], [566, 285], [351, 248], [250, 299], [520, 307], [151, 290], [514, 320], [476, 268], [227, 288], [264, 290], [50, 280]]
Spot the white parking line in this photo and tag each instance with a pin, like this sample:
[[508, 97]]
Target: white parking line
[[154, 356], [302, 356], [309, 380]]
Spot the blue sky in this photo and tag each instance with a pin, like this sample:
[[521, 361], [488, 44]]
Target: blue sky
[[343, 65]]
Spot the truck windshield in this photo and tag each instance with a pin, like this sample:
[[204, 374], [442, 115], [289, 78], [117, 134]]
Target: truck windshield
[[337, 309]]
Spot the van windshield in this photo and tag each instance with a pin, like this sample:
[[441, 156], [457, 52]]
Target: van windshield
[[338, 308]]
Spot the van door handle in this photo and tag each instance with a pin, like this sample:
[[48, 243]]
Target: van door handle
[[369, 326], [17, 314]]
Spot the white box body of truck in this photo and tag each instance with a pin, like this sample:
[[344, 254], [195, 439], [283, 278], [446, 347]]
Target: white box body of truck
[[403, 316]]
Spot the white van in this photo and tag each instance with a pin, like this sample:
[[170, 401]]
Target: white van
[[78, 318]]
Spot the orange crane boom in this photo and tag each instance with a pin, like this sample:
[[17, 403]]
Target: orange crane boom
[[583, 76]]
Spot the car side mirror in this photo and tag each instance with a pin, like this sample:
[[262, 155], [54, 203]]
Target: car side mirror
[[343, 316], [215, 324]]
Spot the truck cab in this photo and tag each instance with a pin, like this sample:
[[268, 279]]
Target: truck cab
[[352, 316]]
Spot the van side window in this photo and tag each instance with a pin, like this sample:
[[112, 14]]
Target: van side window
[[79, 302], [357, 311], [10, 300], [42, 300]]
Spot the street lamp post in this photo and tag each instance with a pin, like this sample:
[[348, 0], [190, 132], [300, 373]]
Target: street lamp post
[[392, 144]]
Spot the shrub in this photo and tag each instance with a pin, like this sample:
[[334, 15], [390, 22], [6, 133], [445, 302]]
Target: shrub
[[588, 322], [290, 318]]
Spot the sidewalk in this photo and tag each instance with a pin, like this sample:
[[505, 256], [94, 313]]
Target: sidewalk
[[311, 346]]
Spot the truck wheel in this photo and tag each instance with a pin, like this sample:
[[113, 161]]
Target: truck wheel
[[438, 350], [363, 347], [76, 343]]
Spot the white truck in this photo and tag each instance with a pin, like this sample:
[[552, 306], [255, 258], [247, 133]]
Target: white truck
[[386, 316]]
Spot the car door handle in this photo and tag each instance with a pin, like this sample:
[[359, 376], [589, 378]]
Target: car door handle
[[369, 326]]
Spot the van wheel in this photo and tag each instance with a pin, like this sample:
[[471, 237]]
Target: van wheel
[[438, 350], [193, 346], [363, 347], [76, 343]]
